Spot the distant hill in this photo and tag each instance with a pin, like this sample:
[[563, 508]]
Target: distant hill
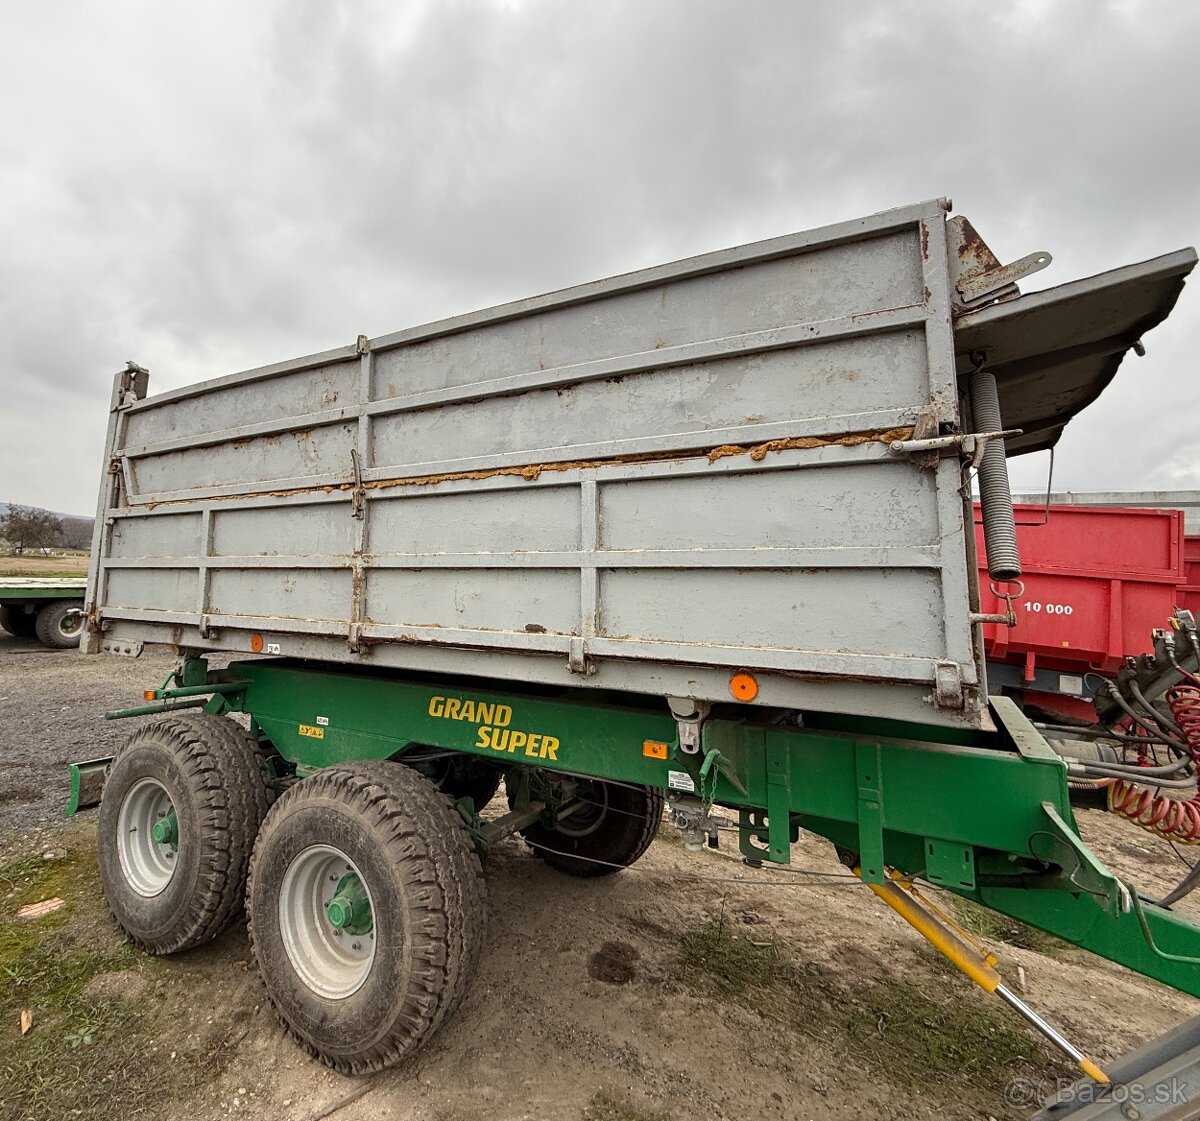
[[5, 505], [77, 530]]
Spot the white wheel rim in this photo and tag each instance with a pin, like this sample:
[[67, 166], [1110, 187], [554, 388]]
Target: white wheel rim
[[147, 864], [333, 963], [71, 624]]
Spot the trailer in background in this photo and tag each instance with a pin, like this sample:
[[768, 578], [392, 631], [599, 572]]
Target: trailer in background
[[47, 608], [1189, 590], [1097, 582]]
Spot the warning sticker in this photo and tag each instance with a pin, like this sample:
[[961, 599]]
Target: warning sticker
[[681, 780]]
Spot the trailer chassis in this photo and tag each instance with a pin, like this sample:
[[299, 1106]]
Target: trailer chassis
[[984, 815]]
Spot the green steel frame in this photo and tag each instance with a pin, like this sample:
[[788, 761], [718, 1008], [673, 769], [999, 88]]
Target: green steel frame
[[48, 589], [985, 815]]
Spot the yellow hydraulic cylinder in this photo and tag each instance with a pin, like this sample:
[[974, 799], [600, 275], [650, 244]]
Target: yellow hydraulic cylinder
[[943, 933]]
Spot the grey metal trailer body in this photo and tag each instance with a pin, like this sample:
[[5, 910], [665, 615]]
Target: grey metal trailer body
[[646, 484]]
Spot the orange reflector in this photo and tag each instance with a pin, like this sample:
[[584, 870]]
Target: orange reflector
[[256, 643], [149, 694], [652, 749], [743, 687]]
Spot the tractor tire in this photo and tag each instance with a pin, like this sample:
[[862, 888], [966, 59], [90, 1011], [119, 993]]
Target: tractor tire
[[462, 776], [60, 624], [17, 621], [171, 893], [362, 984], [612, 832]]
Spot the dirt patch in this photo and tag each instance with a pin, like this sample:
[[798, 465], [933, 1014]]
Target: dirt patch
[[32, 565], [688, 985], [614, 962]]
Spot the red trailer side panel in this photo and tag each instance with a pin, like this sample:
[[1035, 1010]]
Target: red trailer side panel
[[1097, 582], [1189, 591]]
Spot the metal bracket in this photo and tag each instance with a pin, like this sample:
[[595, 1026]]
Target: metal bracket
[[947, 685], [988, 285], [868, 762], [577, 658], [977, 276], [135, 382], [689, 716], [358, 495], [122, 649], [1154, 1082], [970, 444]]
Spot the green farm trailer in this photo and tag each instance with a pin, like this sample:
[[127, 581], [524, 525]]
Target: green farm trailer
[[698, 536], [49, 609]]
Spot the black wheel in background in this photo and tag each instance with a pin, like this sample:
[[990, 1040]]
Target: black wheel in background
[[60, 624], [461, 776], [17, 621], [611, 831]]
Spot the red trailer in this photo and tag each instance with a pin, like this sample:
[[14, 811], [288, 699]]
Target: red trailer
[[1189, 590], [1098, 581]]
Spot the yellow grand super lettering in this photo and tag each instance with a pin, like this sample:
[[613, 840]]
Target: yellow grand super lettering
[[492, 730]]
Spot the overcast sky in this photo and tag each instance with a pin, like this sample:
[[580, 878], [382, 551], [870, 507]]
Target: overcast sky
[[210, 187]]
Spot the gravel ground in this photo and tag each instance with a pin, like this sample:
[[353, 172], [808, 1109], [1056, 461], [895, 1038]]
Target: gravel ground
[[52, 706], [544, 1030]]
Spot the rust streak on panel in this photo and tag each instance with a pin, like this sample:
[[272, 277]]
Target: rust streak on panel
[[758, 452], [532, 471]]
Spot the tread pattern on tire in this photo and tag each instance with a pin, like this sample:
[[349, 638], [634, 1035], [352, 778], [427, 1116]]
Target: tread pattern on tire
[[446, 908], [47, 624], [18, 622], [226, 769]]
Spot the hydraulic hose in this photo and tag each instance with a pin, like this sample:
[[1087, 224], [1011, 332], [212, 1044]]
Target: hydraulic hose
[[1171, 818], [1164, 722], [995, 496], [1140, 720], [1185, 887]]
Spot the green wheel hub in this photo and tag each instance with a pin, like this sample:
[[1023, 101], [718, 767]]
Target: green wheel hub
[[350, 907], [166, 830]]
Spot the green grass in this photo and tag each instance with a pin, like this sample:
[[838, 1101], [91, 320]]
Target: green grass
[[607, 1107], [986, 923], [67, 1060], [89, 1052], [956, 1038], [713, 957]]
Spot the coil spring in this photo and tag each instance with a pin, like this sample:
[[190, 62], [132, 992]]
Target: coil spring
[[1172, 818]]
